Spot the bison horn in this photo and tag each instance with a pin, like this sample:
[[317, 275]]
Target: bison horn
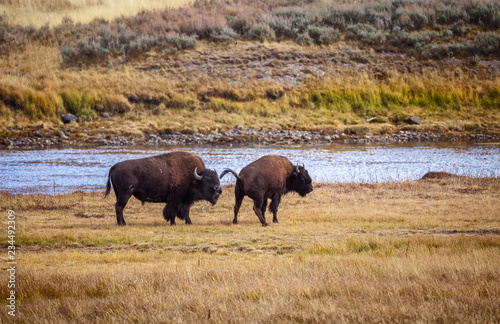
[[297, 169], [196, 175]]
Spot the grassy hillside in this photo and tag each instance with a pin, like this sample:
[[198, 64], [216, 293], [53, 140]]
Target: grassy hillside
[[413, 251], [213, 65]]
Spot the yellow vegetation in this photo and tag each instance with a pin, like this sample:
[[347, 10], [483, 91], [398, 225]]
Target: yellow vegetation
[[415, 251], [38, 82]]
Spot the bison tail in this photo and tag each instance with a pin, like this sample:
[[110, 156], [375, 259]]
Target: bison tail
[[226, 171], [108, 184]]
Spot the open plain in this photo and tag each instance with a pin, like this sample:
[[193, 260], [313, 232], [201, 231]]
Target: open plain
[[412, 251]]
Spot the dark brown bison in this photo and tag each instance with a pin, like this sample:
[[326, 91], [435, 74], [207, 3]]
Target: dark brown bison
[[177, 179], [271, 176]]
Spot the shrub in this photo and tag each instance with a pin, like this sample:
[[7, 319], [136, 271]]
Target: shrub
[[435, 51], [340, 19], [290, 13], [487, 44], [260, 33], [240, 25], [486, 15], [418, 20], [459, 29], [289, 28], [323, 35], [12, 38], [181, 42], [204, 25], [415, 40], [314, 33], [366, 34], [109, 43], [223, 34], [67, 53], [448, 15], [304, 39]]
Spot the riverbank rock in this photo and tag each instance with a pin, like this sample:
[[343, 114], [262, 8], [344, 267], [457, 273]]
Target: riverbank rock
[[230, 137], [378, 119], [63, 135], [413, 120], [439, 175], [68, 118]]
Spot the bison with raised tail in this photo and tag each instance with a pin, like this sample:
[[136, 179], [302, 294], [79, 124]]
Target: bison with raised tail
[[177, 179], [271, 176]]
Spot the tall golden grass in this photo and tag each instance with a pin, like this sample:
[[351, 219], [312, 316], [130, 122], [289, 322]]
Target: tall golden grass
[[42, 12], [413, 251], [36, 82]]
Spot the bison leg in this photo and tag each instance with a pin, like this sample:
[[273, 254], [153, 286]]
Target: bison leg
[[184, 213], [264, 206], [257, 208], [273, 207], [170, 211], [121, 202], [239, 195]]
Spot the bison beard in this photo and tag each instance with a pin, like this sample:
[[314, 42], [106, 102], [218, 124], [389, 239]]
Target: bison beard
[[270, 177], [178, 179]]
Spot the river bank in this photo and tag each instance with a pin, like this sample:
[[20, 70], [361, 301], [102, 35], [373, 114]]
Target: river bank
[[68, 137]]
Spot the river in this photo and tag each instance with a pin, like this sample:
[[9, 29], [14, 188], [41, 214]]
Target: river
[[54, 171]]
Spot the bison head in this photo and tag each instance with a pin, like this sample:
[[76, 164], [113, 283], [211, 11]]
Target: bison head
[[300, 181], [207, 186]]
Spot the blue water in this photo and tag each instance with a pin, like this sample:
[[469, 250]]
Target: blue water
[[56, 171]]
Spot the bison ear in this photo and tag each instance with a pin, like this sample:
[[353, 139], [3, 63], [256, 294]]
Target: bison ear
[[196, 175]]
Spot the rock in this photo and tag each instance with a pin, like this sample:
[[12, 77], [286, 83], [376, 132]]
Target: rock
[[440, 175], [105, 115], [62, 135], [102, 142], [37, 134], [413, 120], [378, 119], [68, 118]]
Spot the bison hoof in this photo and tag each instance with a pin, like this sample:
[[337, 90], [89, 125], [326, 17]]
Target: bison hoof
[[265, 224], [122, 224]]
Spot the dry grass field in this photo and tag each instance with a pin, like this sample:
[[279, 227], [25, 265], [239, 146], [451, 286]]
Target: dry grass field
[[413, 251], [52, 12]]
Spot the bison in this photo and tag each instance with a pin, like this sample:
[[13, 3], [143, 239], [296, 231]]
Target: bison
[[271, 176], [176, 178]]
